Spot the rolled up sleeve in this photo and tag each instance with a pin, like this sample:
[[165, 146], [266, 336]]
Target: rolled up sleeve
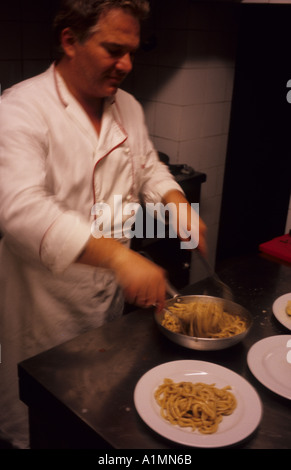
[[64, 241]]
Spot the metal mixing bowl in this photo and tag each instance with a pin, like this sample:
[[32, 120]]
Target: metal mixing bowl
[[206, 344]]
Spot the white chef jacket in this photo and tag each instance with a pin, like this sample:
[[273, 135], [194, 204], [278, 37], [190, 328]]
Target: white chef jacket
[[53, 169]]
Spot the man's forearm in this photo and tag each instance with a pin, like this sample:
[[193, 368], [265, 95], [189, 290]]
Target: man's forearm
[[102, 252], [193, 224]]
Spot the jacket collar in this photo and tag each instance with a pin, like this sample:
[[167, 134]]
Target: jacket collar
[[112, 133]]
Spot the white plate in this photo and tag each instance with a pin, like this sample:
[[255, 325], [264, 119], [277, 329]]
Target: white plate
[[279, 310], [233, 429], [270, 362]]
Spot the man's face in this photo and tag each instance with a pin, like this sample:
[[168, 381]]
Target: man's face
[[103, 61]]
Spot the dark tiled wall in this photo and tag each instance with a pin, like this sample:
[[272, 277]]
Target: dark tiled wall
[[26, 45]]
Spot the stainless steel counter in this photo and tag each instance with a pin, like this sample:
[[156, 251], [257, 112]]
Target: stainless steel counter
[[80, 394]]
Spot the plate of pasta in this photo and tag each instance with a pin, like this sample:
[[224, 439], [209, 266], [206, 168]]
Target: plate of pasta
[[282, 310], [198, 404]]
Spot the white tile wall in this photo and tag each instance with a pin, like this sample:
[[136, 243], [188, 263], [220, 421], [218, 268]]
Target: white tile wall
[[185, 85]]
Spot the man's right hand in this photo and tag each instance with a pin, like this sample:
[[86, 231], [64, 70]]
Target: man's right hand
[[142, 281]]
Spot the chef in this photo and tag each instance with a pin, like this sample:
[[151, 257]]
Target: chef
[[70, 138]]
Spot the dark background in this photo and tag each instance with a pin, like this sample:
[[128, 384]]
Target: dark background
[[258, 166]]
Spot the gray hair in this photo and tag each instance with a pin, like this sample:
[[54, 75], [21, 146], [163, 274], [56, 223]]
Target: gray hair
[[82, 16]]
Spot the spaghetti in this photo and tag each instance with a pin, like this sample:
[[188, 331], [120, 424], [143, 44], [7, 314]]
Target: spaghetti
[[204, 319], [195, 405]]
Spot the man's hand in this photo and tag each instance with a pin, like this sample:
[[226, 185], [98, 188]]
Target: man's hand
[[142, 281]]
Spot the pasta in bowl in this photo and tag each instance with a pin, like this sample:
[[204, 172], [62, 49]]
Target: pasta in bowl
[[204, 322]]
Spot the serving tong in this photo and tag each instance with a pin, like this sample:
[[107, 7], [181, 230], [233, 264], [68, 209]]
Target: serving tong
[[226, 290], [175, 294], [185, 324]]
